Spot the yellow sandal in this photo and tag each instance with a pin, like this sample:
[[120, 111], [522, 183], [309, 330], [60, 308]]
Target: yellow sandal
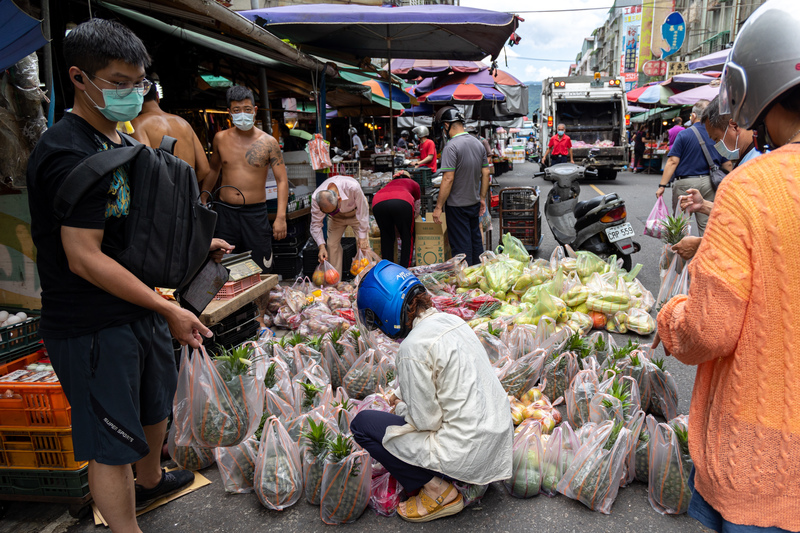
[[435, 508]]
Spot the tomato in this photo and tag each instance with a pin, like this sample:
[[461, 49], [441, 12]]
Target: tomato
[[598, 319], [331, 276]]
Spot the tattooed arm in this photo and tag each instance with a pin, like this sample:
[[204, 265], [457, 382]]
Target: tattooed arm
[[267, 151]]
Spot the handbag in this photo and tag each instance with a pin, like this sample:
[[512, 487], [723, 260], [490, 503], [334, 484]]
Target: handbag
[[716, 173]]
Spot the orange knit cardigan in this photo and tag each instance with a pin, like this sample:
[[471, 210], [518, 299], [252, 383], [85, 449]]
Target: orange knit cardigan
[[741, 325]]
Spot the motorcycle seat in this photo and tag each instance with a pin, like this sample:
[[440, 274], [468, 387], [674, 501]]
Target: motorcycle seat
[[584, 207]]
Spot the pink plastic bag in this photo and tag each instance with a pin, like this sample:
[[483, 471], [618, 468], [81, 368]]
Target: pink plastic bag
[[652, 227], [385, 495]]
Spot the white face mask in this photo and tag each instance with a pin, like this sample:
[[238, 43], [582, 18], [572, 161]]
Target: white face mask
[[243, 121], [560, 133], [723, 150]]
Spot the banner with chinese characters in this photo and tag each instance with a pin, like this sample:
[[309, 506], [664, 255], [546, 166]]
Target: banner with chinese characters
[[631, 39]]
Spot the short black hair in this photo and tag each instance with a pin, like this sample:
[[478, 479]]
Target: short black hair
[[238, 93], [789, 99], [152, 94], [91, 46]]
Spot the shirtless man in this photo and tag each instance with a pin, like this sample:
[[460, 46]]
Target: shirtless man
[[245, 154], [153, 123]]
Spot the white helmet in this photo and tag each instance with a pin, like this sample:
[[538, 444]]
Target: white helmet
[[352, 131], [763, 64], [421, 131]]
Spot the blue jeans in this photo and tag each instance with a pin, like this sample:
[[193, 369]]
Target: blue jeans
[[701, 510]]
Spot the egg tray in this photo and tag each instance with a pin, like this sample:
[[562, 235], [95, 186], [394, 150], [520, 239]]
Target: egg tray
[[19, 339]]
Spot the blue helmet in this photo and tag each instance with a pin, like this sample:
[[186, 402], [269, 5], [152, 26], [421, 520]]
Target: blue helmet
[[382, 297]]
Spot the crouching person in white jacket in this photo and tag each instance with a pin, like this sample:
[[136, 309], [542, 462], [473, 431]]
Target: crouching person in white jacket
[[451, 420]]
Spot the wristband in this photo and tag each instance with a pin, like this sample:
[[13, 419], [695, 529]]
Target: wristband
[[662, 186]]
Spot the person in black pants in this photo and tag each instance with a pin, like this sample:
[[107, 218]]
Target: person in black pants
[[465, 184], [639, 139], [394, 207]]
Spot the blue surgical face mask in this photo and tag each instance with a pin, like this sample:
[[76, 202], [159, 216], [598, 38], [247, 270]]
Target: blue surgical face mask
[[723, 149], [560, 133], [243, 121], [118, 108]]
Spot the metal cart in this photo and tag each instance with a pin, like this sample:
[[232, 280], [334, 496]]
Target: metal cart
[[520, 216]]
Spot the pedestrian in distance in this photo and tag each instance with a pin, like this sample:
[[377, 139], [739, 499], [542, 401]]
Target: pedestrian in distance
[[465, 183], [247, 156], [153, 124], [451, 420], [640, 141], [738, 323], [674, 131], [341, 199], [427, 148], [395, 206], [106, 332], [560, 147]]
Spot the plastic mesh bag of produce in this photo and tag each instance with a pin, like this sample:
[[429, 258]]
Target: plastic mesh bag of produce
[[589, 263], [237, 465], [559, 451], [278, 479], [191, 457], [670, 466], [346, 483], [518, 376], [226, 398], [385, 494], [514, 248], [526, 465], [314, 453], [663, 391], [579, 395], [559, 371], [365, 376], [594, 475]]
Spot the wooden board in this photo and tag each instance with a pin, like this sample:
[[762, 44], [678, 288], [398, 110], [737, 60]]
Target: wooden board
[[219, 309]]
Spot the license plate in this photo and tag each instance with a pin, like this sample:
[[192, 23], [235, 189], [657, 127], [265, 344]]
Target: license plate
[[617, 233]]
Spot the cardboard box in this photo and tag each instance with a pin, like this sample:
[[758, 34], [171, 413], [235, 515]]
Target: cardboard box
[[431, 244]]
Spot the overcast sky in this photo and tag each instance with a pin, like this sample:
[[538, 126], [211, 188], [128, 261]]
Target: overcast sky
[[546, 35]]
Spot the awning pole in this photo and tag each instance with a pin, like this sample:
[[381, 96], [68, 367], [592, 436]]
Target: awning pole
[[391, 101]]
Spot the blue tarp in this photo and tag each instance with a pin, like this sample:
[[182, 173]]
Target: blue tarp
[[20, 34], [415, 32]]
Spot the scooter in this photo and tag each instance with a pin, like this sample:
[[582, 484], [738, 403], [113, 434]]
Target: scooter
[[598, 225]]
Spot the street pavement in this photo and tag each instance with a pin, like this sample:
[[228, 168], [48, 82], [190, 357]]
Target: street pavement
[[210, 509]]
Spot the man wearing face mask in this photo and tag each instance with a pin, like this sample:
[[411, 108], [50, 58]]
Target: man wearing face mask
[[247, 155], [560, 147], [726, 133], [107, 333]]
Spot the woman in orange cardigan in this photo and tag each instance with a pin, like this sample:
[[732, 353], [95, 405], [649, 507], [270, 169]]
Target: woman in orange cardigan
[[740, 322]]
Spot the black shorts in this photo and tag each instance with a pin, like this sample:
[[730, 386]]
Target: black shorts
[[117, 380], [248, 229]]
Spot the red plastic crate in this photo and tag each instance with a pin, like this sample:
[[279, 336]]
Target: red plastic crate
[[36, 405], [234, 288]]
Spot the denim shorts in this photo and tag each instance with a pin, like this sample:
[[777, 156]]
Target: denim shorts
[[117, 380], [701, 510]]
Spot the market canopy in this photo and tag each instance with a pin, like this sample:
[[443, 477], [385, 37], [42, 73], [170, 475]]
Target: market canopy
[[20, 34], [655, 94], [690, 97], [713, 61], [415, 32], [663, 113], [426, 68], [380, 91]]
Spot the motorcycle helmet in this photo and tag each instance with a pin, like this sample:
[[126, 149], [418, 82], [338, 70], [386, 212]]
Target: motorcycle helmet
[[382, 297], [449, 114], [352, 131], [421, 131], [404, 134], [759, 70]]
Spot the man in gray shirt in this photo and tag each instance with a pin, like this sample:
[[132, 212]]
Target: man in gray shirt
[[465, 183]]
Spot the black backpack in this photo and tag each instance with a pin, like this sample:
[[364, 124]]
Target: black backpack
[[168, 231]]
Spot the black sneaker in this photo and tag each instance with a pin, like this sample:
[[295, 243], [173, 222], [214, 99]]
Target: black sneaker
[[171, 482]]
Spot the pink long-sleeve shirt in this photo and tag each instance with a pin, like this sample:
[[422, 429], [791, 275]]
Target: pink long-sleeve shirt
[[352, 198]]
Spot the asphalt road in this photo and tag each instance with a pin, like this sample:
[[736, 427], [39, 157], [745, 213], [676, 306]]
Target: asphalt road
[[210, 509]]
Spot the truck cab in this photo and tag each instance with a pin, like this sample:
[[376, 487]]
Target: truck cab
[[595, 113]]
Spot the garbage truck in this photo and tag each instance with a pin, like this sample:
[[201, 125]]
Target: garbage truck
[[595, 113]]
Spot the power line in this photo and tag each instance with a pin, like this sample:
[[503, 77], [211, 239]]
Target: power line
[[540, 59]]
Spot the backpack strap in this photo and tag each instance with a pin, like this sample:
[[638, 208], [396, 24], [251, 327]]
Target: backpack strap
[[168, 144], [712, 166], [87, 174]]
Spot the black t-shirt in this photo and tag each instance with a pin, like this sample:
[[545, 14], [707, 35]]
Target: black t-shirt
[[72, 306], [638, 141]]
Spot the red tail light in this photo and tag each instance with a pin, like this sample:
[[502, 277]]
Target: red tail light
[[614, 215], [627, 120]]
